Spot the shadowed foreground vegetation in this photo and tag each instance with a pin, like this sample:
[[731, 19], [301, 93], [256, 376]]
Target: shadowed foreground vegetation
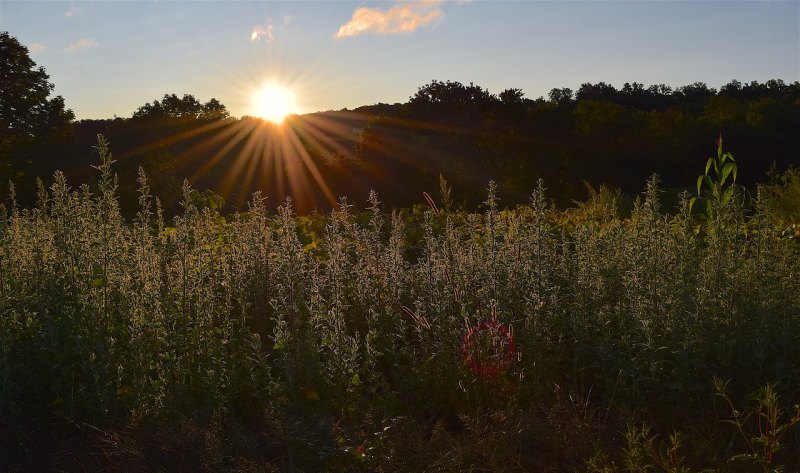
[[655, 341]]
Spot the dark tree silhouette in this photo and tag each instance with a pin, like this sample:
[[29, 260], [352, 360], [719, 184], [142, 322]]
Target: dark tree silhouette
[[30, 121], [512, 96], [561, 97], [187, 107], [599, 134], [696, 93], [25, 110], [599, 91]]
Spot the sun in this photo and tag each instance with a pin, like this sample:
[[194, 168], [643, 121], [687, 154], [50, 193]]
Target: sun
[[273, 102]]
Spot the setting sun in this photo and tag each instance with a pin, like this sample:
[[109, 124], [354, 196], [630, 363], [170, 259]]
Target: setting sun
[[273, 102]]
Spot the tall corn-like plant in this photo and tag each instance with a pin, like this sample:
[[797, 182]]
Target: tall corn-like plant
[[717, 195]]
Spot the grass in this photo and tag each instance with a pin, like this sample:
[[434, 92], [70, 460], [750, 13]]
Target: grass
[[266, 341]]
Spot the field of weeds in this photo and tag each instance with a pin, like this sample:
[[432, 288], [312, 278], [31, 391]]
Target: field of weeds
[[428, 339]]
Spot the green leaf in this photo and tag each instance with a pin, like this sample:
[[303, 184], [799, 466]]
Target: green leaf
[[691, 203], [735, 169], [355, 380], [726, 170], [709, 183], [708, 164], [699, 183], [97, 282]]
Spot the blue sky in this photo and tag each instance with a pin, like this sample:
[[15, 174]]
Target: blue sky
[[109, 57]]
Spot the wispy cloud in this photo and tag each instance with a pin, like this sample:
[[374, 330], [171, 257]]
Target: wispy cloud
[[83, 43], [35, 48], [270, 30], [260, 32], [402, 18], [72, 11]]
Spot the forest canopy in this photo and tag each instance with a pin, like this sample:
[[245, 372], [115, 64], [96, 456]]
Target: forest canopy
[[598, 135]]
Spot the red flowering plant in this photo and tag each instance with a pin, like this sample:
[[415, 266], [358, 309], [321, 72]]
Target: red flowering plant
[[488, 348]]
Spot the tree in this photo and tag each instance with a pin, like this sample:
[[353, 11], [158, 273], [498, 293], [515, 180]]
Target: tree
[[451, 93], [25, 110], [697, 93], [599, 91], [561, 97], [187, 107], [214, 110], [451, 103], [29, 120], [511, 96]]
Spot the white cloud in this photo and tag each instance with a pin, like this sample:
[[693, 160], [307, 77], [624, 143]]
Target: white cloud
[[72, 11], [404, 17], [261, 32], [269, 30], [35, 48], [83, 43]]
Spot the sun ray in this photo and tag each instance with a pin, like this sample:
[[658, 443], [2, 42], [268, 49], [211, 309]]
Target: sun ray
[[170, 140], [248, 153], [311, 129], [239, 135], [275, 154], [312, 168]]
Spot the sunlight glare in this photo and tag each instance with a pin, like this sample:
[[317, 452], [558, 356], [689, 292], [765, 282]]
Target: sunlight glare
[[273, 102]]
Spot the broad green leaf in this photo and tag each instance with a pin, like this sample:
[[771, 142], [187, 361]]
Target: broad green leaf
[[726, 170], [691, 203], [709, 183], [699, 183], [708, 164]]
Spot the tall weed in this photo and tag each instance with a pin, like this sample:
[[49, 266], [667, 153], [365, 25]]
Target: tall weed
[[343, 334]]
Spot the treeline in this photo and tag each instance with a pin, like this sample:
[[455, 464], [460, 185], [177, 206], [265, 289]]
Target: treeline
[[598, 134], [309, 158], [462, 133]]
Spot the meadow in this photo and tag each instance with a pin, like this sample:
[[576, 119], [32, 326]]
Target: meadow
[[657, 339]]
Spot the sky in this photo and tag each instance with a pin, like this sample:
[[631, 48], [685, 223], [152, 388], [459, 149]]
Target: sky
[[107, 58]]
